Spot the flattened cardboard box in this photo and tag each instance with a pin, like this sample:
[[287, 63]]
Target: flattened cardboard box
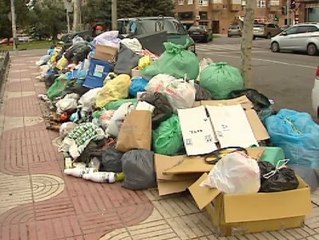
[[257, 126], [256, 212], [170, 183]]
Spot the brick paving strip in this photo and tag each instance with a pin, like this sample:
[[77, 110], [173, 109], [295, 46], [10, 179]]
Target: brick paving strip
[[38, 202]]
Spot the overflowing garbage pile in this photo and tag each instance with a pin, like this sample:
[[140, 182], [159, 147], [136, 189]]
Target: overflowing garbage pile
[[127, 115]]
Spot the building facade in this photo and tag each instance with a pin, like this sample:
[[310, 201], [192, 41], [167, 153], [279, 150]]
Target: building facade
[[219, 14]]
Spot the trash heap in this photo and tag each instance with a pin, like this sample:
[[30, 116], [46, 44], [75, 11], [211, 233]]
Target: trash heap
[[177, 122]]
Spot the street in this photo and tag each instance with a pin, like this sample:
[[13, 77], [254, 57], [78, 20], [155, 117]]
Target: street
[[286, 78]]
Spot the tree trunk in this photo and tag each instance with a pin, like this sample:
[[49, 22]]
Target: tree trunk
[[77, 16], [247, 42]]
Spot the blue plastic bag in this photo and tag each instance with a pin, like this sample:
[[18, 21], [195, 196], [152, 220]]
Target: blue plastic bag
[[297, 134], [138, 85]]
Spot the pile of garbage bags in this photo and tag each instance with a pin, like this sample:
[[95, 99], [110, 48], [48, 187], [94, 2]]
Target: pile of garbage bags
[[114, 104]]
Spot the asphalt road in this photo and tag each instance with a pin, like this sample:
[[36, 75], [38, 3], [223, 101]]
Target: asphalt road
[[286, 78]]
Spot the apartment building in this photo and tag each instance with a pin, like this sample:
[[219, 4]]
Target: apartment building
[[219, 14], [308, 10]]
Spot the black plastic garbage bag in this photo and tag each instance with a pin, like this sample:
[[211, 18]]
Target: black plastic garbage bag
[[163, 109], [111, 160], [202, 93], [138, 168], [259, 100], [78, 51], [280, 179]]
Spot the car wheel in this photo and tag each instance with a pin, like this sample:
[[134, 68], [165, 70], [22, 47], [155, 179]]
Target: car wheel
[[254, 38], [228, 35], [275, 47], [268, 36], [312, 49]]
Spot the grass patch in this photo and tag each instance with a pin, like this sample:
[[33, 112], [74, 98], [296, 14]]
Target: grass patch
[[29, 45]]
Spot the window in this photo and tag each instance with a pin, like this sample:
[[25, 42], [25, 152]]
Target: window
[[292, 30], [180, 2], [274, 2], [261, 3], [189, 2], [203, 2], [312, 29]]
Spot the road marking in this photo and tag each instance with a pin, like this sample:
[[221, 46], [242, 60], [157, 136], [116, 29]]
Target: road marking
[[267, 60]]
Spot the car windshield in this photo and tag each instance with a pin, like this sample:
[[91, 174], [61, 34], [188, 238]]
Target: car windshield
[[234, 27], [170, 25]]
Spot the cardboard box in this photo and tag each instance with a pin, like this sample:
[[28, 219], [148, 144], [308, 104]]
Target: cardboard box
[[135, 72], [257, 126], [176, 173], [246, 213], [170, 183], [106, 53]]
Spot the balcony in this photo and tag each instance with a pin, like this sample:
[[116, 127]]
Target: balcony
[[235, 5], [216, 5], [274, 8]]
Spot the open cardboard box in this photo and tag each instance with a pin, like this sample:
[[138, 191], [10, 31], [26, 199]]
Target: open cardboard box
[[176, 173], [106, 53], [246, 213]]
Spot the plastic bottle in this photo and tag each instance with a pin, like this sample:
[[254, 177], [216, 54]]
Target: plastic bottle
[[101, 177], [78, 172]]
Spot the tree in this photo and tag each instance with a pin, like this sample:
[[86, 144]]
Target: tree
[[48, 18], [22, 19], [100, 10], [5, 24], [246, 44]]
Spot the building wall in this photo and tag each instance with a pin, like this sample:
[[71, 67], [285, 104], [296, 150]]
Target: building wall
[[221, 13]]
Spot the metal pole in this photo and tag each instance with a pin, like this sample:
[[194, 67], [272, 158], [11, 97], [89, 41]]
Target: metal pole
[[68, 20], [114, 14], [288, 13], [13, 25]]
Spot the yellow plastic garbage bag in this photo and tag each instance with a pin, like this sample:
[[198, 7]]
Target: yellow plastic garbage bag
[[62, 63], [115, 89], [143, 62]]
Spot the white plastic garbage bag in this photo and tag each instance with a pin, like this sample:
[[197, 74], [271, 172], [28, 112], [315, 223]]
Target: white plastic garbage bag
[[87, 101], [158, 83], [133, 44], [69, 102], [118, 118], [234, 173]]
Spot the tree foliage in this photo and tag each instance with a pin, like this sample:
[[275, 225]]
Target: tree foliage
[[100, 10], [48, 18]]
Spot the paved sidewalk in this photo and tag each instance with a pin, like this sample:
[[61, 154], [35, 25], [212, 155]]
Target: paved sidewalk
[[38, 202]]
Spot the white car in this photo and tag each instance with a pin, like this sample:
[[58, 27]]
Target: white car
[[303, 37], [315, 94]]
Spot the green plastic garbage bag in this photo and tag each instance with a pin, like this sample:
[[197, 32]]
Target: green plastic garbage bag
[[175, 61], [220, 79], [57, 87], [114, 105], [168, 138]]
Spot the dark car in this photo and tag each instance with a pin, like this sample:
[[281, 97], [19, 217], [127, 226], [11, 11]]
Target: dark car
[[200, 33], [234, 30], [167, 28]]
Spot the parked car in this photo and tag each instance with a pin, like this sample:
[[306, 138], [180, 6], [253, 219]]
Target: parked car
[[315, 94], [234, 30], [200, 33], [6, 41], [302, 37], [265, 30], [23, 38], [142, 26]]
